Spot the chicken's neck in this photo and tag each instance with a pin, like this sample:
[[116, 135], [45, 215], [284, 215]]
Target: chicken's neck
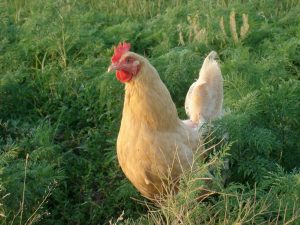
[[149, 103]]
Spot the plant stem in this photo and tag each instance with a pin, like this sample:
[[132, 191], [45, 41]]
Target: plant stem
[[24, 187]]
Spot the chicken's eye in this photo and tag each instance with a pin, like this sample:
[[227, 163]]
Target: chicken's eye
[[127, 60]]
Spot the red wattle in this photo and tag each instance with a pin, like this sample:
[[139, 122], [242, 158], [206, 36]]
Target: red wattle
[[123, 76]]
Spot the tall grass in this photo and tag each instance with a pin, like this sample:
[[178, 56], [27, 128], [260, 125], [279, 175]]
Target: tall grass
[[203, 199]]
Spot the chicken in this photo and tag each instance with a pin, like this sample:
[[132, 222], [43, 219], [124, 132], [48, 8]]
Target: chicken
[[205, 97], [154, 147]]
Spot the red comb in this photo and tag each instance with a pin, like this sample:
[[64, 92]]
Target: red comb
[[119, 51]]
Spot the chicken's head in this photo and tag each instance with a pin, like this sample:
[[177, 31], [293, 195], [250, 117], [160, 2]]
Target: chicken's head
[[124, 62]]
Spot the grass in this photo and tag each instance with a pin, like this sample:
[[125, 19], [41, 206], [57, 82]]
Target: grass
[[216, 204], [59, 106]]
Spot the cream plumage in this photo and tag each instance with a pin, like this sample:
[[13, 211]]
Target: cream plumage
[[154, 146], [204, 99]]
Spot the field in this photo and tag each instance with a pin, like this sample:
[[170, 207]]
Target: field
[[60, 110]]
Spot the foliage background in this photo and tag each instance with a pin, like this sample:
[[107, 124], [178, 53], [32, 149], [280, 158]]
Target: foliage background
[[59, 106]]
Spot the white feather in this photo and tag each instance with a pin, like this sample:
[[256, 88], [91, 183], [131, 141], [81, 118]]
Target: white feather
[[204, 99]]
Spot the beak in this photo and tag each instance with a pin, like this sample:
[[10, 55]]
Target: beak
[[112, 68]]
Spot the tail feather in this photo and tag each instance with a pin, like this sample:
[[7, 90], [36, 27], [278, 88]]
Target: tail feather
[[212, 55], [209, 63], [205, 97]]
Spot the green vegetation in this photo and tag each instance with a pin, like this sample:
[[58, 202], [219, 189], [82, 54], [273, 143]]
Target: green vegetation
[[60, 111]]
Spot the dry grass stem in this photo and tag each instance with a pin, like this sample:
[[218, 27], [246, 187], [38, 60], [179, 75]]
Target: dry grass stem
[[244, 27], [222, 26], [233, 27]]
